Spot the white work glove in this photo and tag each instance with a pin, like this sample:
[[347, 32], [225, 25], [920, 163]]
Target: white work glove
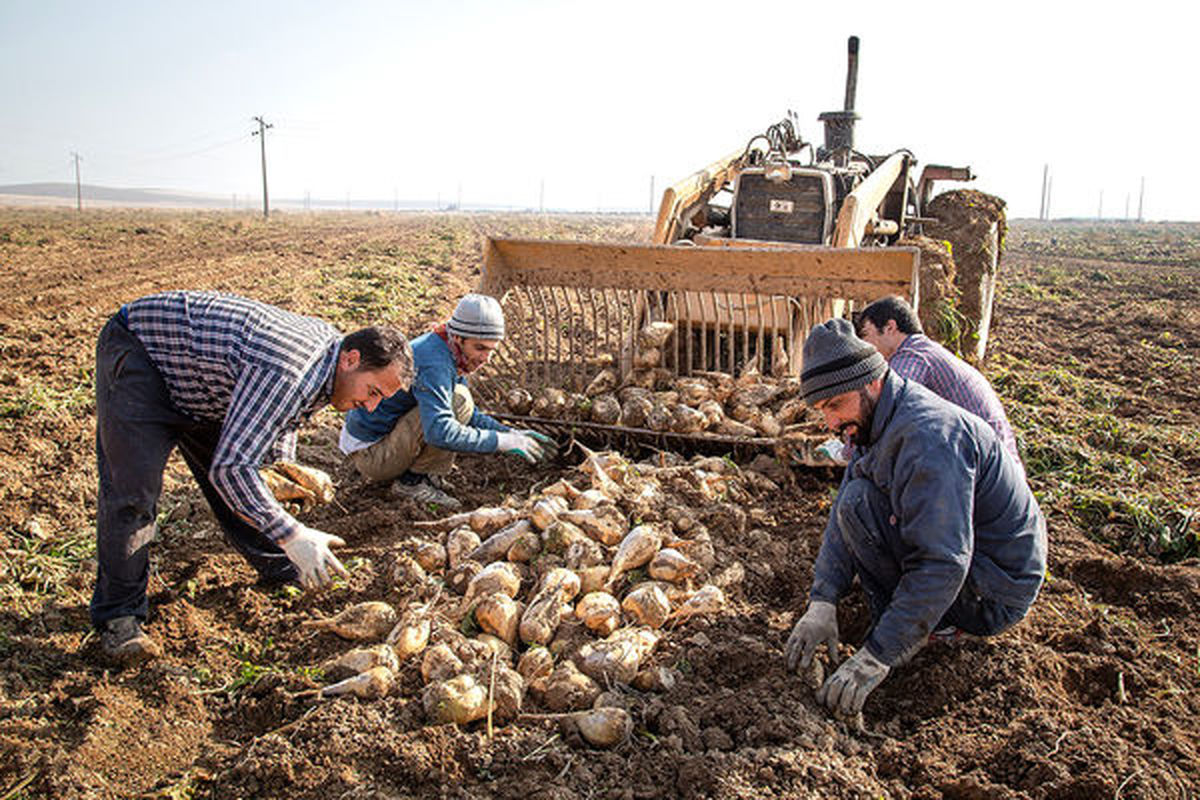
[[309, 550], [819, 624], [847, 689], [529, 445]]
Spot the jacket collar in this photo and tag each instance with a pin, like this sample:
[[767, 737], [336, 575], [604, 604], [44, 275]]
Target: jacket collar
[[890, 396]]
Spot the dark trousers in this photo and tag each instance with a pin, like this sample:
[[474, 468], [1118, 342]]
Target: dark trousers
[[870, 533], [137, 427]]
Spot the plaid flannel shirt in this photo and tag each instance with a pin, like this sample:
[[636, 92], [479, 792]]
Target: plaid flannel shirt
[[923, 360], [255, 370]]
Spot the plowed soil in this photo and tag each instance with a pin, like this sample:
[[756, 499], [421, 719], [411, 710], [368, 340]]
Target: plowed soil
[[1094, 695]]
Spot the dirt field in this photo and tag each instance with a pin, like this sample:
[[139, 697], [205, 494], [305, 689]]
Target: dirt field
[[1094, 695]]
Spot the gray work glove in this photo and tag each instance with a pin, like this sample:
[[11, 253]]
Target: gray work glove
[[309, 550], [847, 689], [819, 624], [529, 445]]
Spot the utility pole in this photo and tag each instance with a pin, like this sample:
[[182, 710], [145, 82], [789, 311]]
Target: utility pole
[[1141, 196], [1100, 210], [542, 197], [261, 133], [78, 185], [1049, 192], [1045, 177]]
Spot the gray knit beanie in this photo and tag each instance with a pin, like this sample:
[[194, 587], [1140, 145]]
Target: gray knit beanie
[[837, 361], [478, 316]]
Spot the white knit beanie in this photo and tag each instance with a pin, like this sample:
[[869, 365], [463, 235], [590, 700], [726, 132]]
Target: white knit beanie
[[478, 316]]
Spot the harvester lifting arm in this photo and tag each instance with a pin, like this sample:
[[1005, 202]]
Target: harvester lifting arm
[[681, 200], [861, 205]]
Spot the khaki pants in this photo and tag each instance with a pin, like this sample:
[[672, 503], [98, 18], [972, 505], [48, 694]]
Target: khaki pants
[[404, 448]]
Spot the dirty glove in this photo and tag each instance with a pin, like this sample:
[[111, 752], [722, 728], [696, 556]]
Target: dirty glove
[[847, 689], [529, 445], [309, 550], [819, 624]]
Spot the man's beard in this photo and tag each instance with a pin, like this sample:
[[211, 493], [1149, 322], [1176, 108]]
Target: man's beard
[[866, 418]]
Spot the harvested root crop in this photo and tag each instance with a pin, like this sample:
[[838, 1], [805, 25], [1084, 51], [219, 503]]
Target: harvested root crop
[[654, 334], [430, 555], [603, 523], [605, 410], [619, 657], [536, 662], [549, 403], [360, 659], [546, 510], [499, 615], [483, 521], [407, 572], [440, 663], [673, 566], [410, 636], [605, 727], [499, 577], [545, 610], [606, 381], [568, 689], [496, 546], [708, 600], [525, 548], [461, 700], [372, 684], [600, 612], [635, 550], [359, 622], [315, 481], [647, 605], [460, 543], [518, 401]]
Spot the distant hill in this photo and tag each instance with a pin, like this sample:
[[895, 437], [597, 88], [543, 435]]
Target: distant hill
[[111, 196]]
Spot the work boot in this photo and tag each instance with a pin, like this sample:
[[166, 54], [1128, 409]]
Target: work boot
[[125, 643], [422, 489]]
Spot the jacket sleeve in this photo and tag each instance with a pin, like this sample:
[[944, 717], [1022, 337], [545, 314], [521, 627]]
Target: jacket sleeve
[[833, 571], [434, 392], [934, 495]]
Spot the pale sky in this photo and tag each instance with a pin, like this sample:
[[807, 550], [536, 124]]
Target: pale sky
[[499, 98]]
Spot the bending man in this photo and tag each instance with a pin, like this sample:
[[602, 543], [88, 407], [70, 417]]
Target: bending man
[[227, 380], [413, 435], [932, 516], [895, 329]]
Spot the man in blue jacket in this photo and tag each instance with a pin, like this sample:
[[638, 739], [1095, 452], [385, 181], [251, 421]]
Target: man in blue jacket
[[413, 435], [932, 516]]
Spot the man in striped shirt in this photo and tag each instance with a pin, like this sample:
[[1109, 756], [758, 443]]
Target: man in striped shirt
[[227, 380], [892, 325]]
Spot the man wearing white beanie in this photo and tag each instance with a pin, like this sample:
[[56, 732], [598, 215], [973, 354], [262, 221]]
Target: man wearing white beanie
[[413, 435], [933, 517]]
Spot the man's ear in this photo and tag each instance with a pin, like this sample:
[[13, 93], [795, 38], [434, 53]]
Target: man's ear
[[348, 360], [891, 327]]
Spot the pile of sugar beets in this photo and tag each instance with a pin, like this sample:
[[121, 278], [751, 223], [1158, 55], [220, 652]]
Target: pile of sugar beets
[[757, 403], [554, 597]]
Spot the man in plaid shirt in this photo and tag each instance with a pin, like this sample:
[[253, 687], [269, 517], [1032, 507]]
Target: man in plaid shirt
[[227, 380], [892, 325]]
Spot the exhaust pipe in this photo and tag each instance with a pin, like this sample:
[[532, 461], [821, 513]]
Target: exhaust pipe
[[839, 125]]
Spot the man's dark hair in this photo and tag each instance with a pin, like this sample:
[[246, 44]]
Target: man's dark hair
[[885, 308], [379, 346]]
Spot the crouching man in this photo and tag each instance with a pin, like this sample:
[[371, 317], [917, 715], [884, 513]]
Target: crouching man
[[227, 380], [413, 435], [932, 516]]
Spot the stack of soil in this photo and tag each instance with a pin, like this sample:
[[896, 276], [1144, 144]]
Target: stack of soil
[[975, 225]]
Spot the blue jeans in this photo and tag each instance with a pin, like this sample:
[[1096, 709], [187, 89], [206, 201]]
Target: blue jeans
[[870, 533], [137, 427]]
